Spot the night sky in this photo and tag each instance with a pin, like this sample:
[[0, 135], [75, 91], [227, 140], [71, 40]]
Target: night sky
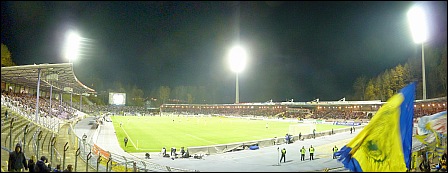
[[299, 50]]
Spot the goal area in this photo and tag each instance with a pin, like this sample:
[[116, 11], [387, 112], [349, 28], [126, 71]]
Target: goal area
[[303, 128]]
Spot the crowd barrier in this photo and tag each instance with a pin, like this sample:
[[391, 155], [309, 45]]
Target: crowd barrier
[[87, 151], [49, 122], [105, 161], [223, 148]]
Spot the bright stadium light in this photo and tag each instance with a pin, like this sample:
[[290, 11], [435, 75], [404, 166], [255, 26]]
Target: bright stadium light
[[237, 61], [417, 23], [72, 46]]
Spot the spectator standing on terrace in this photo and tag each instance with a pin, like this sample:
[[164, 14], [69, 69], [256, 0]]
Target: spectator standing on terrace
[[424, 165], [443, 162], [49, 165], [125, 141], [69, 168], [41, 166], [444, 156], [17, 160], [32, 164], [58, 168]]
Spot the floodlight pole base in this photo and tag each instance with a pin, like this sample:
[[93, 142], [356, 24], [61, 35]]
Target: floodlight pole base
[[278, 155]]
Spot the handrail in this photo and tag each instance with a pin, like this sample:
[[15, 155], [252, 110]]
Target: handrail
[[34, 140], [54, 127], [58, 155], [29, 117]]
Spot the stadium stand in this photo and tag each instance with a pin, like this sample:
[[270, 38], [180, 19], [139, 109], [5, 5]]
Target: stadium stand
[[358, 111], [49, 131]]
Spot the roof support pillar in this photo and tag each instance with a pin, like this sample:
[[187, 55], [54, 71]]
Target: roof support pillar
[[80, 102], [71, 99], [37, 98], [51, 93]]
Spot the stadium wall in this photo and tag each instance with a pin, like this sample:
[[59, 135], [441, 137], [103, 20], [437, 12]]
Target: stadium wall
[[223, 148]]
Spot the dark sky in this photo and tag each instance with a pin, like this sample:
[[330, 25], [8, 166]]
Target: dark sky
[[299, 50]]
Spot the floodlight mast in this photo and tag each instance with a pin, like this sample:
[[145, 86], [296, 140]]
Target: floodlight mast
[[72, 46], [237, 60], [418, 25]]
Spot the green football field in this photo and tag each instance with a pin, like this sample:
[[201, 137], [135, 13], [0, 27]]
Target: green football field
[[152, 133]]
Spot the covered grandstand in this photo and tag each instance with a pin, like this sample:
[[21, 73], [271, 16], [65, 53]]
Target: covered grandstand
[[22, 86], [28, 95], [43, 80], [45, 77]]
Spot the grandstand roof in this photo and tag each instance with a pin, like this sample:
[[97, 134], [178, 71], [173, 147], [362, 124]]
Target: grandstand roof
[[61, 76]]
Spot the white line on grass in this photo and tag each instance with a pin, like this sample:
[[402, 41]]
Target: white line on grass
[[129, 138], [201, 139], [150, 149]]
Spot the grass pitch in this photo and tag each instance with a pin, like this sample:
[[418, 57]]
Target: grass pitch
[[152, 133]]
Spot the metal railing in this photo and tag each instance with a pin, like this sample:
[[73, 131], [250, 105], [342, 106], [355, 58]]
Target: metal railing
[[94, 160], [113, 161], [44, 120]]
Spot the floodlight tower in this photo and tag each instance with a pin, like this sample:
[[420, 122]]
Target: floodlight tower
[[72, 45], [417, 23], [71, 52], [237, 61]]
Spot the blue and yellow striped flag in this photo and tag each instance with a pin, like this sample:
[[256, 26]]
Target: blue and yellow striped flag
[[385, 143]]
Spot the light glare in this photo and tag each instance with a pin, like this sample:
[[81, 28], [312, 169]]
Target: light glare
[[417, 22], [237, 59], [72, 46]]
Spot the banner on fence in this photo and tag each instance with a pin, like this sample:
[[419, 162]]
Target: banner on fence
[[348, 123], [98, 151]]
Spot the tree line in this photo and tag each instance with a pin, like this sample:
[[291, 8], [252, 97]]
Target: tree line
[[6, 57], [135, 96], [390, 81]]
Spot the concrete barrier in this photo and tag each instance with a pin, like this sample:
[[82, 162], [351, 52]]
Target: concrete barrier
[[223, 148]]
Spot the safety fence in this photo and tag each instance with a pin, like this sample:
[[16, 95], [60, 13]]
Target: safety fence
[[43, 137], [106, 161], [33, 138], [223, 148], [46, 121]]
